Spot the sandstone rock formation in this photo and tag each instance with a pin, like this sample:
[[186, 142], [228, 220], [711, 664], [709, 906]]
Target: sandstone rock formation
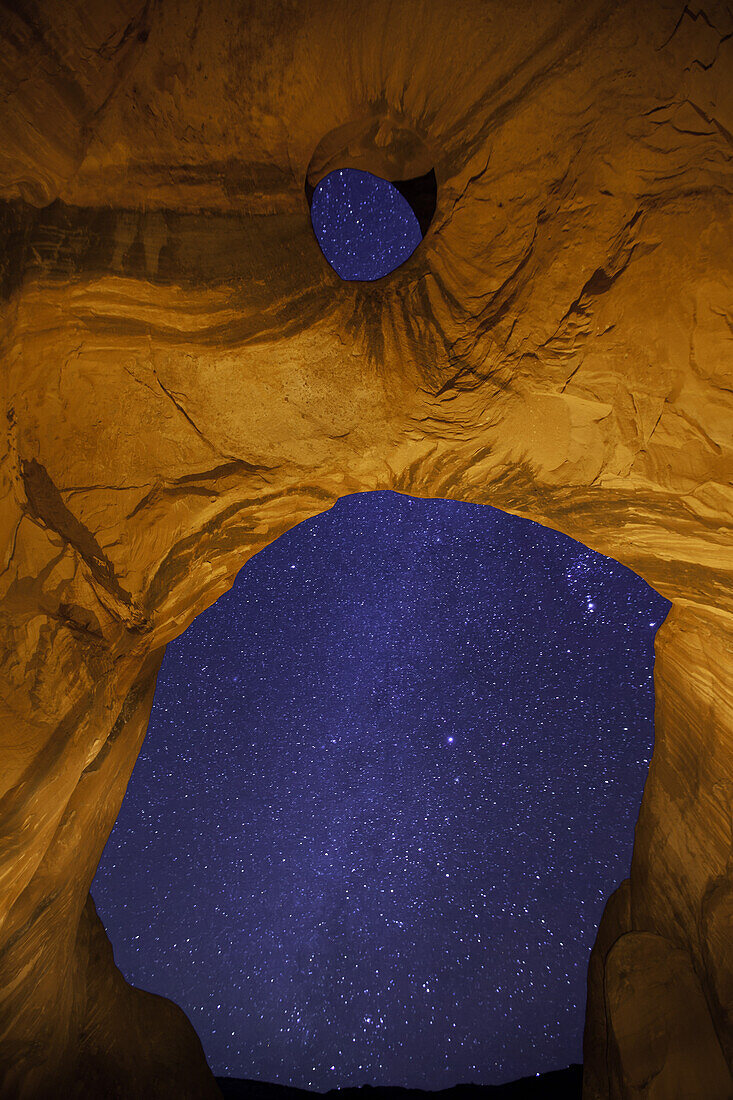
[[184, 378]]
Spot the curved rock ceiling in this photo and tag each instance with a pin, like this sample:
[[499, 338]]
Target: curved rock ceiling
[[185, 378]]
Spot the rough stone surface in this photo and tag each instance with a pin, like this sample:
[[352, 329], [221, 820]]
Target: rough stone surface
[[662, 1039], [184, 378], [616, 921]]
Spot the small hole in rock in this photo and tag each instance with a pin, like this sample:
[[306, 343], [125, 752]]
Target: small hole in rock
[[366, 226]]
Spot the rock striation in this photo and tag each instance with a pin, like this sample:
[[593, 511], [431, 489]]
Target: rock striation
[[184, 378]]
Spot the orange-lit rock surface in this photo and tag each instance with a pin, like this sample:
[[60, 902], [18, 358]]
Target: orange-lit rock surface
[[184, 378]]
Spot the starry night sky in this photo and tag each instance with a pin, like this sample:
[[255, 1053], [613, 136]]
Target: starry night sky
[[363, 224], [389, 781]]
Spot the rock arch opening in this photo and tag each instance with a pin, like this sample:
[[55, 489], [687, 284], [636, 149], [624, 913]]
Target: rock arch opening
[[372, 192], [390, 780], [368, 227]]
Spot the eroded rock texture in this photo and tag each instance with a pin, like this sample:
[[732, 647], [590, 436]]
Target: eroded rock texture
[[184, 378]]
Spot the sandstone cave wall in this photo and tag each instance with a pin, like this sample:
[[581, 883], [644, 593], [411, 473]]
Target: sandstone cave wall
[[184, 378]]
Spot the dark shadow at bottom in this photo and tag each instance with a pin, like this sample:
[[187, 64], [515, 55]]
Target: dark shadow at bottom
[[561, 1084]]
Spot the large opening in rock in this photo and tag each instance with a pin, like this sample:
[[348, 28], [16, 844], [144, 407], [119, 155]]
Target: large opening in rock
[[389, 781]]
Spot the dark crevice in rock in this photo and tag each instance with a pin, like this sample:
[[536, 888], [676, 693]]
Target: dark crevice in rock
[[46, 504], [422, 195]]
